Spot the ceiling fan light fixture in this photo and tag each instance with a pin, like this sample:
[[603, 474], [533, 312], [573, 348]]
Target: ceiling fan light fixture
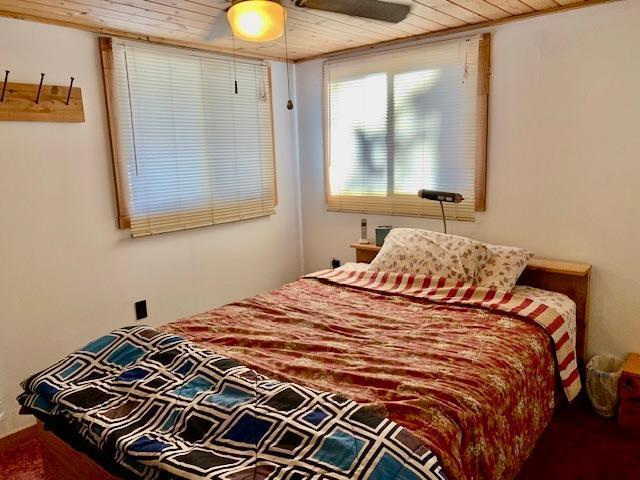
[[257, 20]]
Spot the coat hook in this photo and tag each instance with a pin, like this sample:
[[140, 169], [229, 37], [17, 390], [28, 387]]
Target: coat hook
[[39, 87], [4, 85], [69, 92]]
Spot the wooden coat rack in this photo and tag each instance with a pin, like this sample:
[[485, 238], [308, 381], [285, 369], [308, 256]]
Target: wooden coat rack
[[35, 102]]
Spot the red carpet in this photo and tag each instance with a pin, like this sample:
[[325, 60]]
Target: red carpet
[[22, 461], [578, 445]]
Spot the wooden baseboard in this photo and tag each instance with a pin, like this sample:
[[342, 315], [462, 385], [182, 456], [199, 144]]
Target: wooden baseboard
[[13, 440]]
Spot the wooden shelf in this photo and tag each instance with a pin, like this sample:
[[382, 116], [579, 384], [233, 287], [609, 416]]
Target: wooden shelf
[[559, 266], [366, 246], [19, 104]]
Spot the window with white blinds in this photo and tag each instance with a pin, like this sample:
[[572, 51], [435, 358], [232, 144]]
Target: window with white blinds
[[189, 150], [403, 120]]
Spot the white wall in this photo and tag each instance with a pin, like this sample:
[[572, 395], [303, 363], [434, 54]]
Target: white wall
[[564, 159], [67, 274]]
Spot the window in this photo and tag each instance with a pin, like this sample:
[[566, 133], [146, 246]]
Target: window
[[188, 151], [406, 119]]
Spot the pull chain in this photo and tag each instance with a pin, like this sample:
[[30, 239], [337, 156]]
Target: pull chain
[[235, 73], [286, 57]]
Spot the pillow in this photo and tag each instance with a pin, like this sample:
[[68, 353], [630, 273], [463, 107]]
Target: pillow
[[410, 250], [503, 267]]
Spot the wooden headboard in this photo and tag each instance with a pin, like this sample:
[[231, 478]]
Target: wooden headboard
[[572, 279]]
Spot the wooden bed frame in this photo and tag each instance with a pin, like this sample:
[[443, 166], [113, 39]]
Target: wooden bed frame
[[62, 462]]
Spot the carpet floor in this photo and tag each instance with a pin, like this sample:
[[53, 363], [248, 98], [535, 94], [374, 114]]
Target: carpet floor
[[577, 445], [580, 445], [22, 461]]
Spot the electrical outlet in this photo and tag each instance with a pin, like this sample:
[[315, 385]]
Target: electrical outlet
[[141, 309]]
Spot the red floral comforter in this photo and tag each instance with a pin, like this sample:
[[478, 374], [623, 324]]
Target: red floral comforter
[[476, 385]]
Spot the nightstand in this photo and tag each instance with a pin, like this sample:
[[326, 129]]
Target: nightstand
[[365, 252], [629, 413]]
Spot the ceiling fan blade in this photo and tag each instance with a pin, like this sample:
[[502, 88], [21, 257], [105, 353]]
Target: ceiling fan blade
[[220, 28], [373, 9]]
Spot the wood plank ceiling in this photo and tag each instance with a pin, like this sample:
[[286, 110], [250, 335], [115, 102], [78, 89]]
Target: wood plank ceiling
[[311, 33]]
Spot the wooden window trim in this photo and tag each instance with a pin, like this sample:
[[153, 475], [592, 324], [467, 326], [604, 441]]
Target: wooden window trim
[[273, 134], [106, 54], [482, 125], [326, 133]]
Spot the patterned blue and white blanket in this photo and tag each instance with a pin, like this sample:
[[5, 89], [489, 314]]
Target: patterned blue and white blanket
[[164, 408]]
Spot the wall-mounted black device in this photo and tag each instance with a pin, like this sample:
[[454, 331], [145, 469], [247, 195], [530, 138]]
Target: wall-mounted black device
[[141, 309]]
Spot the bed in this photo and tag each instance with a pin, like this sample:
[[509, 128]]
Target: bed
[[459, 379]]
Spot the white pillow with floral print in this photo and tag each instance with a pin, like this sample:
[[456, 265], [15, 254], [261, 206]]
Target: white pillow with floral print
[[410, 250], [503, 267]]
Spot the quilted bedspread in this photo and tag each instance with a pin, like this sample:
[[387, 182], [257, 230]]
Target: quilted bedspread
[[474, 383], [159, 407]]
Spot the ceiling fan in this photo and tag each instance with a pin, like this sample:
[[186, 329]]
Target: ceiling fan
[[264, 20]]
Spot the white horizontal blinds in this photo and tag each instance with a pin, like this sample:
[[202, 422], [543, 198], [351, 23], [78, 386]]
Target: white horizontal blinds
[[399, 121], [196, 153]]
